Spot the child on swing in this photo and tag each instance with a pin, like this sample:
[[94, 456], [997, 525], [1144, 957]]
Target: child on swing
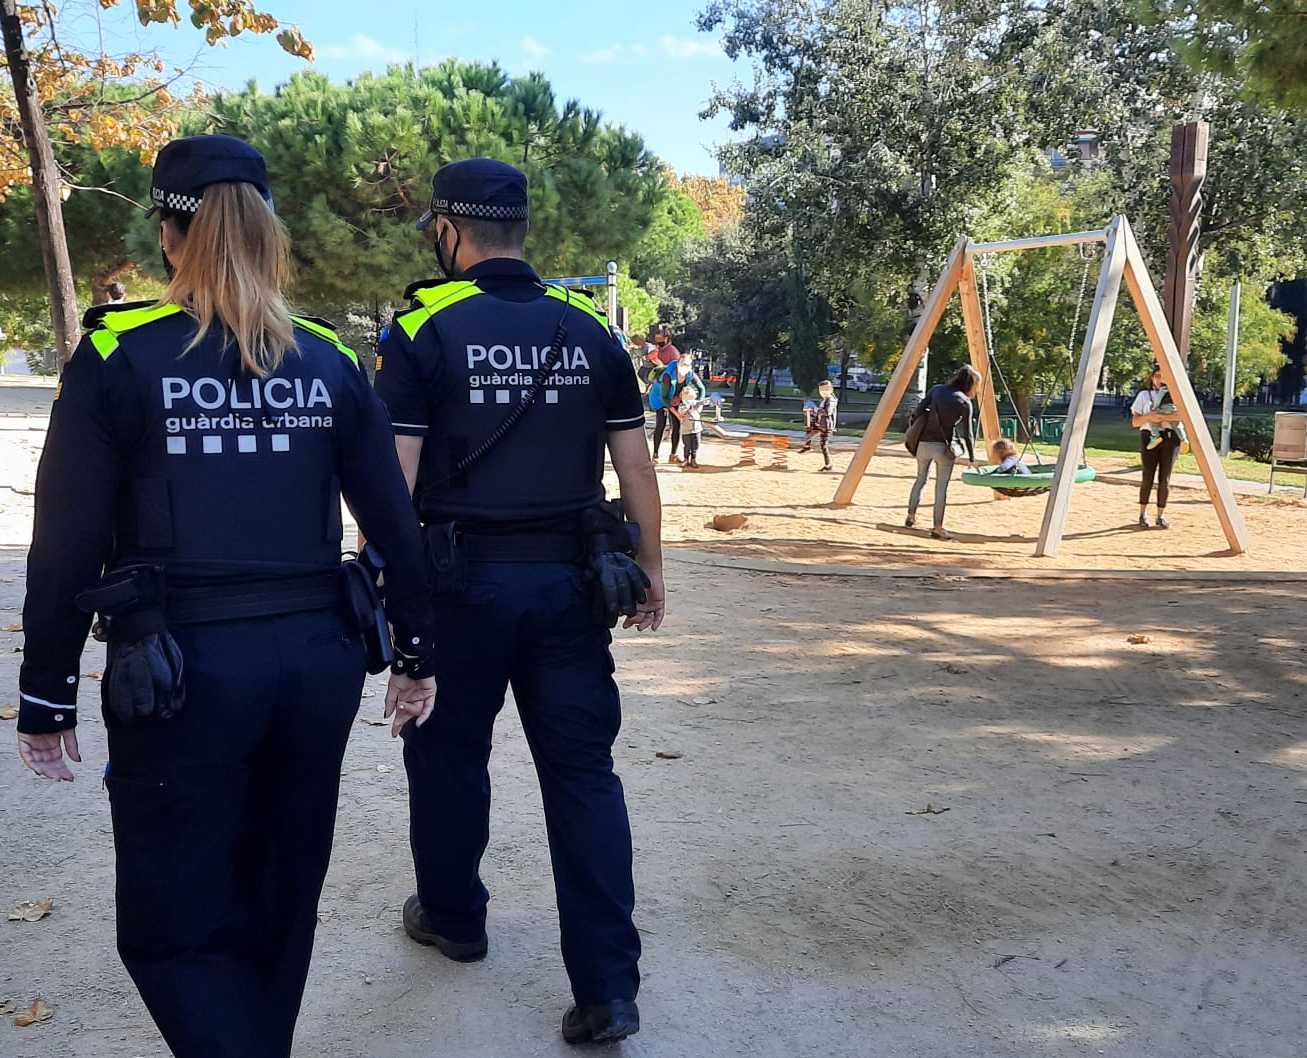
[[1009, 460]]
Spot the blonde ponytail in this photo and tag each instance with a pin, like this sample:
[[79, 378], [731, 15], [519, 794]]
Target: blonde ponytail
[[234, 269]]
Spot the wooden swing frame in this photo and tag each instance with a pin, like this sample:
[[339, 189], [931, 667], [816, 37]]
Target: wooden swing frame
[[1122, 260]]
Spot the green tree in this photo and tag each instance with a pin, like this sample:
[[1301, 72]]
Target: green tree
[[1263, 45], [351, 167], [675, 231], [737, 296], [641, 306], [1262, 330]]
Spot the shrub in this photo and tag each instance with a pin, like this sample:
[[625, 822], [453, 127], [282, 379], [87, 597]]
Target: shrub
[[1254, 435]]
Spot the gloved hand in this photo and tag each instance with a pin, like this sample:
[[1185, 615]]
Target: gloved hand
[[622, 584], [145, 679]]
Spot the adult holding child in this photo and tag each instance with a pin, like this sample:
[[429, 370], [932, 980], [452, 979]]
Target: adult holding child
[[664, 398], [944, 409], [1160, 438]]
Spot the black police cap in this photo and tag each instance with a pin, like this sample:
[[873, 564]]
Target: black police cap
[[187, 166], [481, 188]]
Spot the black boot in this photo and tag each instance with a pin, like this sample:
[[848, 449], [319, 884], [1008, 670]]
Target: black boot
[[602, 1023], [417, 927]]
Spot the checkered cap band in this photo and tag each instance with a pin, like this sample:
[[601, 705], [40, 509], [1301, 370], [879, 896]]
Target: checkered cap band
[[173, 200], [479, 210]]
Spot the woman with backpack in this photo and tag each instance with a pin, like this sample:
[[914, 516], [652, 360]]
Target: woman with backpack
[[935, 426]]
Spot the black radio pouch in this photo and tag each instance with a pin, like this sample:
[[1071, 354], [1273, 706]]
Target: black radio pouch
[[448, 562], [366, 612], [611, 544], [144, 676]]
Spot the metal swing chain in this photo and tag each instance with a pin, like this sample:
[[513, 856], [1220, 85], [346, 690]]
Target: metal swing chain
[[983, 260]]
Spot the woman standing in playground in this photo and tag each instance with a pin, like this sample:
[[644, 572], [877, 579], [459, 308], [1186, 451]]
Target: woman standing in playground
[[1159, 441], [947, 406]]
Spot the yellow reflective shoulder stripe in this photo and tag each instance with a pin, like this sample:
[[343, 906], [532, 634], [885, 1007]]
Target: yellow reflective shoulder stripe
[[435, 297], [434, 300], [105, 343], [580, 301], [327, 334], [112, 324]]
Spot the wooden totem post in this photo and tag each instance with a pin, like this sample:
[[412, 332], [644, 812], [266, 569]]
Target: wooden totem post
[[1188, 171]]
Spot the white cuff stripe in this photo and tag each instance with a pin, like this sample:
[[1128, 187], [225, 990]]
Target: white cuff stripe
[[411, 425], [633, 418], [41, 701]]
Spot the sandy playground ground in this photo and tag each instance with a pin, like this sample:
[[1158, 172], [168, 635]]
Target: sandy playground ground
[[790, 519], [917, 816]]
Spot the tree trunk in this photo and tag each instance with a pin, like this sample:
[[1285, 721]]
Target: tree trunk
[[45, 190], [1021, 396], [745, 365], [771, 382], [845, 356]]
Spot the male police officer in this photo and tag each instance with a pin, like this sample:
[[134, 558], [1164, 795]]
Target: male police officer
[[504, 394]]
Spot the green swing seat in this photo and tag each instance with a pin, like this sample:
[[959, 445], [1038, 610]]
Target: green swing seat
[[1040, 479]]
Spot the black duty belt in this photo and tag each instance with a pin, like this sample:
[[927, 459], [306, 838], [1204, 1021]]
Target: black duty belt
[[521, 547], [260, 598]]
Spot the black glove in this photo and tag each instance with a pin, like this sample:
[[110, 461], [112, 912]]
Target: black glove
[[145, 679], [622, 585]]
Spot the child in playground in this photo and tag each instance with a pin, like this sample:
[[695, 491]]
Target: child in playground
[[688, 407], [1009, 460], [820, 421]]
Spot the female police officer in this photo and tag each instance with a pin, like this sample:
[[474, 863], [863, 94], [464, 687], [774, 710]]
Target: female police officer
[[198, 451]]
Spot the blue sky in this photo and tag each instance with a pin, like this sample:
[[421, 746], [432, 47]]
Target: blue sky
[[644, 65]]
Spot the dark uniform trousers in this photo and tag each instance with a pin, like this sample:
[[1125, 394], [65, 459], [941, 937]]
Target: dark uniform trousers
[[223, 819], [529, 625]]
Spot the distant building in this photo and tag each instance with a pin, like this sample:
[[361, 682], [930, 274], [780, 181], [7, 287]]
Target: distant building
[[1085, 148]]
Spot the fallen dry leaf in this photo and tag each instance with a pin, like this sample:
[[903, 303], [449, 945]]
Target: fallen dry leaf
[[728, 523], [1138, 639], [13, 628], [8, 713], [929, 810], [32, 910], [92, 675], [6, 1007], [669, 754], [38, 1012], [373, 723]]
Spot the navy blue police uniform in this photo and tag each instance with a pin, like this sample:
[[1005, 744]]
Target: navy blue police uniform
[[179, 460], [451, 370]]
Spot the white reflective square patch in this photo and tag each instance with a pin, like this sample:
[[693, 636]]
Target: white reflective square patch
[[477, 396], [247, 442], [551, 396], [176, 446], [281, 442], [213, 446], [502, 396]]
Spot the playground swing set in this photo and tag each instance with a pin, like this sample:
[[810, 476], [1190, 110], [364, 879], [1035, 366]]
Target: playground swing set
[[1122, 260]]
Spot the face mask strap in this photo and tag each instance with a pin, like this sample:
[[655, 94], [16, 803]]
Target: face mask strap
[[449, 269]]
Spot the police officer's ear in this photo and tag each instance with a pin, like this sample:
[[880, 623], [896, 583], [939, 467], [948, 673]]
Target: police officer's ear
[[172, 237]]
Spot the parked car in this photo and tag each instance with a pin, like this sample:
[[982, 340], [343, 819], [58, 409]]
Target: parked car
[[862, 380]]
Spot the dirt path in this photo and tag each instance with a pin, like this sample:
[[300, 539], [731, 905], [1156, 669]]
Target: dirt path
[[1115, 866]]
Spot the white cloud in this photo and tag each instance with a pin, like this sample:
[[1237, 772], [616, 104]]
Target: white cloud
[[533, 48], [690, 47], [680, 48], [362, 47], [605, 57]]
